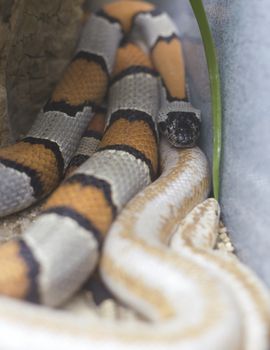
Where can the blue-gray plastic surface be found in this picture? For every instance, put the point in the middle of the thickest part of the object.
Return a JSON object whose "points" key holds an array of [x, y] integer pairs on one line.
{"points": [[241, 32]]}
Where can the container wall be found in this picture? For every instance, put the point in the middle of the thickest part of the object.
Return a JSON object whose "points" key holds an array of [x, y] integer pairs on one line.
{"points": [[241, 32]]}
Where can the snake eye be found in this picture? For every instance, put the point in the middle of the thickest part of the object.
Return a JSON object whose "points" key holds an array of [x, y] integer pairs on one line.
{"points": [[181, 128]]}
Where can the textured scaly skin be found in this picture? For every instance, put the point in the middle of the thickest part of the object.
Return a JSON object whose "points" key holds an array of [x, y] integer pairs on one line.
{"points": [[189, 292], [190, 306], [196, 237], [33, 167], [78, 215], [127, 160]]}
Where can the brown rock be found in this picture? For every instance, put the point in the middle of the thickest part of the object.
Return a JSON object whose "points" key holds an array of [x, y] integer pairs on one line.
{"points": [[37, 39]]}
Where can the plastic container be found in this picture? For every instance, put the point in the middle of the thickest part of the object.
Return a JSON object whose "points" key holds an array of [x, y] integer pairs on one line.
{"points": [[240, 29]]}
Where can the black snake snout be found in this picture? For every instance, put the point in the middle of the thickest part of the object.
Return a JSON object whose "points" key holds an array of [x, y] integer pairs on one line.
{"points": [[181, 128]]}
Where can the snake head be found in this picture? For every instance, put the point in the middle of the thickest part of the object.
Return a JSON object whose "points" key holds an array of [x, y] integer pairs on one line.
{"points": [[181, 128]]}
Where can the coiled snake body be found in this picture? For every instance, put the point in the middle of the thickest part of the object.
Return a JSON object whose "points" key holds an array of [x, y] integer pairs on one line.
{"points": [[196, 298]]}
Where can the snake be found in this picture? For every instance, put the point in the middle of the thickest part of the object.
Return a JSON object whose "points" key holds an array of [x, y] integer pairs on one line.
{"points": [[32, 168], [156, 255], [194, 296]]}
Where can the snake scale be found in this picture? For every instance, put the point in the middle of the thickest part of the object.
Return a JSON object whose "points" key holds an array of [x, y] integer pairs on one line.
{"points": [[156, 255]]}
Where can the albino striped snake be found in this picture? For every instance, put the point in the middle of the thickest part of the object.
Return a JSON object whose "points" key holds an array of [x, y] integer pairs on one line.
{"points": [[196, 298]]}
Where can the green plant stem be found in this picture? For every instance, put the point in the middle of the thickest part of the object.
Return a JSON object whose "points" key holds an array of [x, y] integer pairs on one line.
{"points": [[213, 72]]}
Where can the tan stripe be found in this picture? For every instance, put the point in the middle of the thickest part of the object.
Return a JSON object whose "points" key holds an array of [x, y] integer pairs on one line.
{"points": [[150, 193], [130, 55], [241, 274], [88, 201], [136, 134], [14, 271], [177, 214], [188, 230], [82, 81], [138, 288], [125, 11], [207, 286], [169, 61], [36, 157]]}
